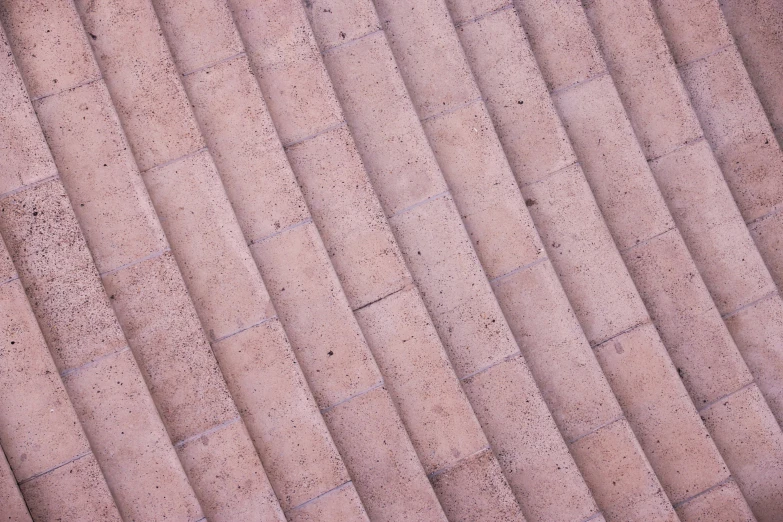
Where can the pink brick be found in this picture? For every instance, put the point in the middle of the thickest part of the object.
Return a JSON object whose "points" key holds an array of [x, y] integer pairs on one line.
{"points": [[335, 22], [323, 332], [142, 79], [220, 274], [724, 502], [766, 234], [226, 456], [662, 416], [10, 496], [339, 505], [693, 31], [272, 396]]}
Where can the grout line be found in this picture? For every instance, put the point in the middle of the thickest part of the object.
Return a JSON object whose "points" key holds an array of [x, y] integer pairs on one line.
{"points": [[687, 143], [453, 109], [342, 123], [405, 286], [550, 174], [246, 328], [136, 262], [593, 516], [717, 51], [500, 9], [634, 327], [306, 502], [501, 277], [29, 186], [492, 365], [218, 62], [716, 486], [210, 431], [422, 202], [283, 230], [602, 426], [748, 305], [94, 362], [203, 519], [349, 42], [775, 210], [58, 466], [453, 465], [84, 83], [564, 88], [175, 160], [645, 241], [357, 394], [724, 397], [9, 280]]}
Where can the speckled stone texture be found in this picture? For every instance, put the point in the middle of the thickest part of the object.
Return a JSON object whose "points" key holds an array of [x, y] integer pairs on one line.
{"points": [[391, 260]]}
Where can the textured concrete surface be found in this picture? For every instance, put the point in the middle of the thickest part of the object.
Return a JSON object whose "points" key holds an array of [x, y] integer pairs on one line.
{"points": [[388, 260]]}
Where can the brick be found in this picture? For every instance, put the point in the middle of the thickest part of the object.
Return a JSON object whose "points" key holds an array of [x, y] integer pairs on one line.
{"points": [[557, 353], [70, 492], [59, 276], [769, 241], [224, 458], [689, 325], [619, 475], [10, 496], [314, 311], [531, 451], [428, 54], [478, 482], [725, 501], [50, 45], [661, 413], [692, 31], [129, 440], [216, 265], [469, 320], [334, 22], [161, 326], [397, 156], [245, 147], [752, 444], [199, 32], [613, 162], [349, 216], [272, 396], [381, 460], [107, 193], [142, 79], [420, 380]]}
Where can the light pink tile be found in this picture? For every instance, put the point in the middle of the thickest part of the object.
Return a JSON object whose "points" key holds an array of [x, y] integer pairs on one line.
{"points": [[157, 316], [142, 79], [381, 460], [216, 264], [199, 32], [661, 413], [10, 496], [59, 276], [340, 505], [622, 481], [557, 352], [272, 396], [70, 492], [98, 170], [50, 45], [397, 156], [428, 54], [530, 449], [244, 144], [693, 29], [484, 189], [323, 332], [584, 255], [349, 216], [130, 441], [725, 502], [768, 238], [453, 286], [335, 22], [475, 490], [752, 444], [226, 474], [421, 380], [698, 342], [25, 157], [464, 10]]}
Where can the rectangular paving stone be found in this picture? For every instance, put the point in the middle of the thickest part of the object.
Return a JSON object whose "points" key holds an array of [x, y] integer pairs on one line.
{"points": [[342, 503], [767, 236], [724, 501], [272, 396], [700, 29], [10, 496], [227, 456]]}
